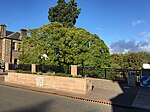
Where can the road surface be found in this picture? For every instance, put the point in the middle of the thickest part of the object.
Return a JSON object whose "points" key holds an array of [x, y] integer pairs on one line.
{"points": [[20, 100]]}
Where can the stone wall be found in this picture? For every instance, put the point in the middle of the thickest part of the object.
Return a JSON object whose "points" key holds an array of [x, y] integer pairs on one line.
{"points": [[6, 41], [74, 85], [0, 49], [6, 50], [15, 55]]}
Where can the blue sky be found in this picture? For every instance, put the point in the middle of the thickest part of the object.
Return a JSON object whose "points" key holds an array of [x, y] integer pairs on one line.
{"points": [[124, 25]]}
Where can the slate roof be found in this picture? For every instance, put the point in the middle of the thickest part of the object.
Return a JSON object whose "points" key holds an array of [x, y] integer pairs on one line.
{"points": [[14, 35], [9, 33]]}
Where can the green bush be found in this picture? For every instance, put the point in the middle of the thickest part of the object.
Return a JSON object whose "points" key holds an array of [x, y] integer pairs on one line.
{"points": [[63, 75], [39, 73], [34, 72], [22, 71], [94, 73], [50, 73], [78, 76]]}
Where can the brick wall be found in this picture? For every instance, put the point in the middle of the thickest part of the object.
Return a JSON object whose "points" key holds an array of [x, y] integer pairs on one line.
{"points": [[74, 85]]}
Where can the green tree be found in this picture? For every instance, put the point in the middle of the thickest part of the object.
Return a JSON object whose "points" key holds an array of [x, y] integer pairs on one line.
{"points": [[64, 46], [117, 60], [64, 13], [131, 60]]}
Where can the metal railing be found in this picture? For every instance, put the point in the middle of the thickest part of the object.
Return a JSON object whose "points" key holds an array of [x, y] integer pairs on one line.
{"points": [[56, 69], [25, 67], [106, 73]]}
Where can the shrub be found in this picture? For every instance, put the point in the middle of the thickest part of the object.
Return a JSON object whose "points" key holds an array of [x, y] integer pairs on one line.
{"points": [[50, 73], [39, 73], [22, 71], [34, 72], [78, 76], [63, 75]]}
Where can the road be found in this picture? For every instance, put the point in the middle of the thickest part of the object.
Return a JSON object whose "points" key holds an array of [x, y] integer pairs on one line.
{"points": [[19, 100]]}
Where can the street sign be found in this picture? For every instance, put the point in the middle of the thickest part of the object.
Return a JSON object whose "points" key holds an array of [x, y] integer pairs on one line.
{"points": [[145, 81]]}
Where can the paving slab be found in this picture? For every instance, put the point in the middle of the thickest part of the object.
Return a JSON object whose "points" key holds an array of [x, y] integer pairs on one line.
{"points": [[142, 99]]}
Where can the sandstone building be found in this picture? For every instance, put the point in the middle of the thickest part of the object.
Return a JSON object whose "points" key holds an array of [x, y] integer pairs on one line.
{"points": [[9, 42]]}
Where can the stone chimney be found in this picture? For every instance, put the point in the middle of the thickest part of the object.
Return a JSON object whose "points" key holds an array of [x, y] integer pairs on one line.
{"points": [[23, 33], [2, 30]]}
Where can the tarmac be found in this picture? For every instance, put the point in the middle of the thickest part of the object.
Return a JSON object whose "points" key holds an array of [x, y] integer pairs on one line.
{"points": [[142, 99], [131, 97]]}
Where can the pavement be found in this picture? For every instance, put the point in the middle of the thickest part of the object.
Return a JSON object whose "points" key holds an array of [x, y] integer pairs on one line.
{"points": [[142, 99], [131, 97], [120, 98]]}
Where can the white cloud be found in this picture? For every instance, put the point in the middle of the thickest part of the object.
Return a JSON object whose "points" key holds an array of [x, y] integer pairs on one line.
{"points": [[145, 48], [144, 34], [134, 23], [123, 46], [99, 28]]}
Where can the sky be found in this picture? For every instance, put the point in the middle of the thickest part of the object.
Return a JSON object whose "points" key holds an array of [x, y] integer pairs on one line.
{"points": [[124, 25]]}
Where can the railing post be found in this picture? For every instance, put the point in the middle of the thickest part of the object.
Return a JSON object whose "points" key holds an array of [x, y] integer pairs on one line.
{"points": [[82, 70], [105, 73]]}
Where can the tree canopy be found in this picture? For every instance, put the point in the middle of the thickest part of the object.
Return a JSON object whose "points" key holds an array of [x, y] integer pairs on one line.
{"points": [[132, 60], [64, 13], [64, 46]]}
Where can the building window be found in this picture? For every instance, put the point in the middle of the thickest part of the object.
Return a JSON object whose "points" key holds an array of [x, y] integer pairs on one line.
{"points": [[15, 61], [13, 46], [19, 46]]}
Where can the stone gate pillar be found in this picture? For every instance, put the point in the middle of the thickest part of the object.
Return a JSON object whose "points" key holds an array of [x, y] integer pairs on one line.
{"points": [[33, 68], [6, 66], [74, 70]]}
